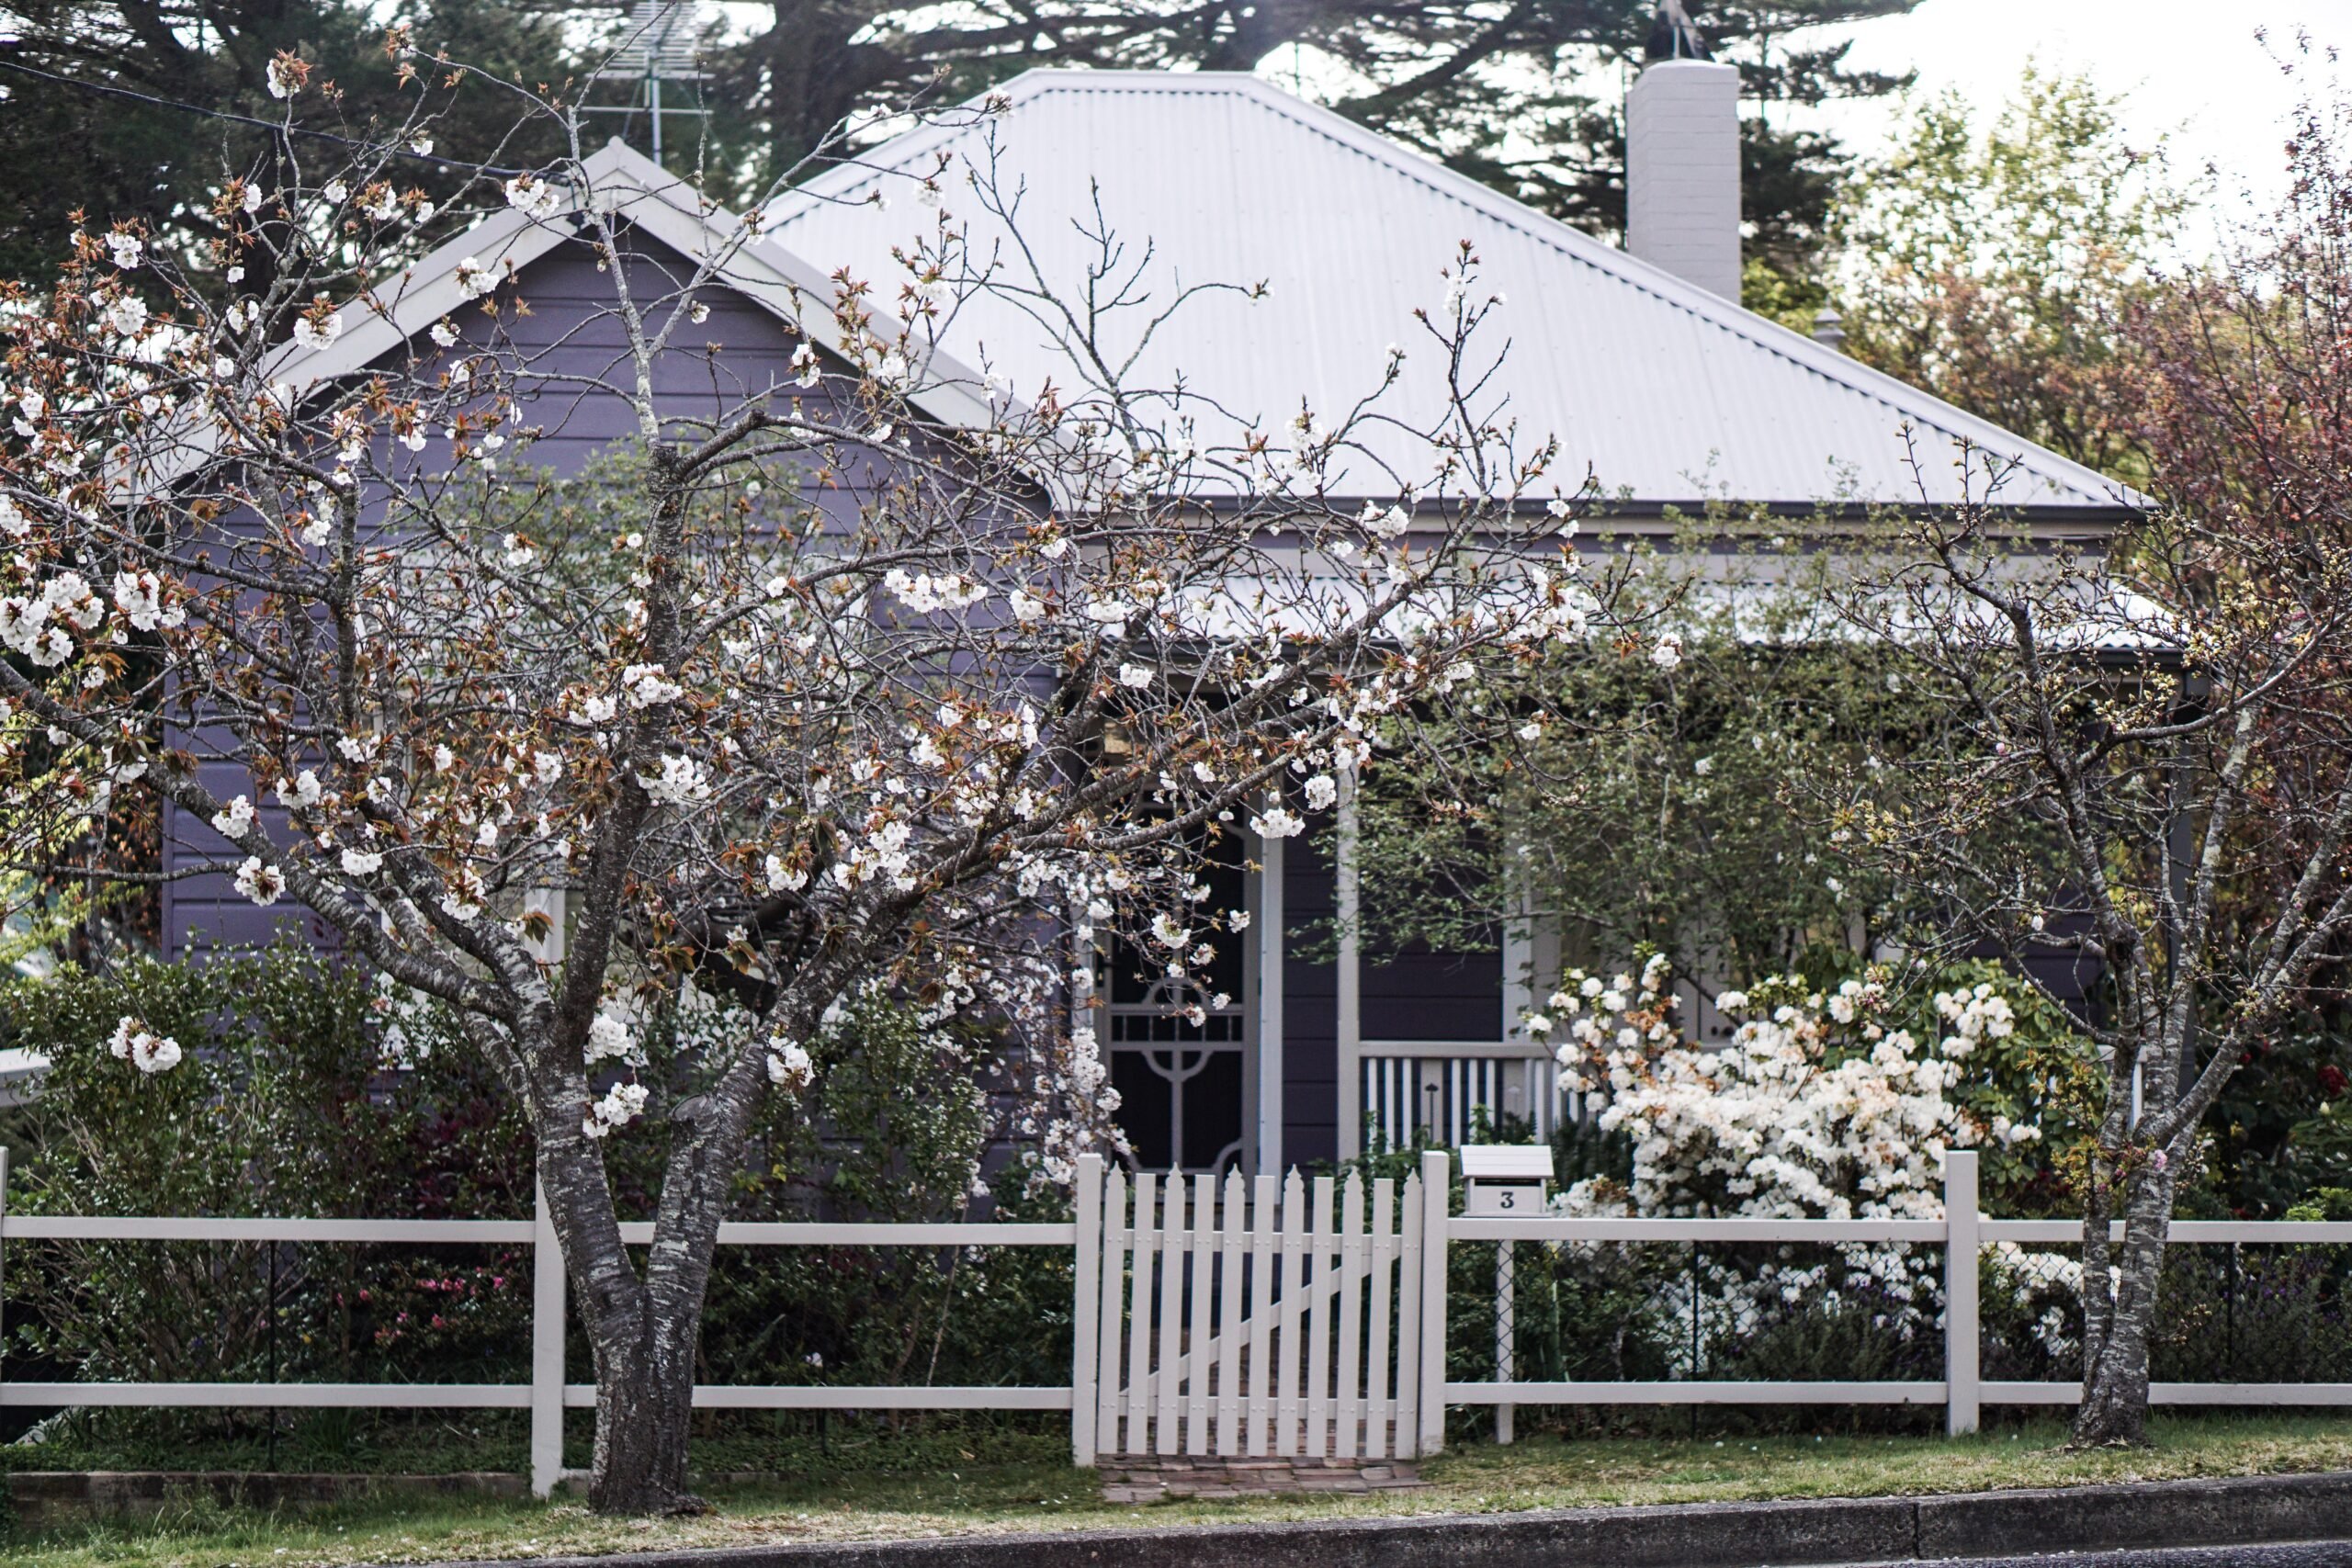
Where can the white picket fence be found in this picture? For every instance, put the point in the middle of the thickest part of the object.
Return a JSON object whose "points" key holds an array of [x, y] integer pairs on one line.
{"points": [[1235, 1318]]}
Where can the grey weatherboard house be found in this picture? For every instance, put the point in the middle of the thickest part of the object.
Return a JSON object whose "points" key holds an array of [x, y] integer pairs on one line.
{"points": [[1674, 395]]}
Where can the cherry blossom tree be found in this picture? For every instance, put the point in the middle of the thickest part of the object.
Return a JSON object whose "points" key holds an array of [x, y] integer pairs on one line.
{"points": [[2145, 775], [808, 692]]}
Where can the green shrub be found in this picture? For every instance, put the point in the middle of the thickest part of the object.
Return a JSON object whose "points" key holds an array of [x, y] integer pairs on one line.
{"points": [[304, 1090]]}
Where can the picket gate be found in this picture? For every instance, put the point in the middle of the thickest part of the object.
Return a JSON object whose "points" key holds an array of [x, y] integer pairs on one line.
{"points": [[1238, 1317]]}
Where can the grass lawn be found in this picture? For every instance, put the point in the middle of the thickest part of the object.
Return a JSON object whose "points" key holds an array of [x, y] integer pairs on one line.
{"points": [[1001, 1490]]}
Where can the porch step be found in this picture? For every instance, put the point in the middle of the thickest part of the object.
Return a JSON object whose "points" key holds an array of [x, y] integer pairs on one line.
{"points": [[1135, 1478]]}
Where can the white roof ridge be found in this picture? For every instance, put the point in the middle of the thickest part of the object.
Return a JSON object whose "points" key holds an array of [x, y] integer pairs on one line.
{"points": [[1910, 403]]}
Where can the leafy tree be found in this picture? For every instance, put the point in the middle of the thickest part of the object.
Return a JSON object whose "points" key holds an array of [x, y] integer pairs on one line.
{"points": [[2174, 713], [1648, 804], [1998, 264], [77, 74], [2247, 371]]}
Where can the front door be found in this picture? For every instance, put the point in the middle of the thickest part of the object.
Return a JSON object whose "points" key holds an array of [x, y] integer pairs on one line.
{"points": [[1184, 1076]]}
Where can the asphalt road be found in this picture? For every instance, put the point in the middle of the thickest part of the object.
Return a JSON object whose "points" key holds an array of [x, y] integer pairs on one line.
{"points": [[2295, 1554]]}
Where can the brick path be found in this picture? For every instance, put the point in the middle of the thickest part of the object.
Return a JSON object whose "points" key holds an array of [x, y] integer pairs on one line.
{"points": [[1150, 1478]]}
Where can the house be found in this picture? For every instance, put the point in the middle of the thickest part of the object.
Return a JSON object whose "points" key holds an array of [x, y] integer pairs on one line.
{"points": [[1640, 360]]}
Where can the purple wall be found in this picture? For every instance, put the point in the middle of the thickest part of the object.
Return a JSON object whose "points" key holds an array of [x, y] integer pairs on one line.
{"points": [[739, 351]]}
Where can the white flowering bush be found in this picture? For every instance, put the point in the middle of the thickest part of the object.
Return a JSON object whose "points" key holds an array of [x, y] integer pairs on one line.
{"points": [[1832, 1101]]}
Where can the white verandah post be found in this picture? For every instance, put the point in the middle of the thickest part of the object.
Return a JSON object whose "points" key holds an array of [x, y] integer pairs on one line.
{"points": [[1437, 1191], [1270, 954], [1350, 977]]}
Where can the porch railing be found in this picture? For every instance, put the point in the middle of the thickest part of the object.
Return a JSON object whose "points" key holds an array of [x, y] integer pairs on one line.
{"points": [[1410, 1088]]}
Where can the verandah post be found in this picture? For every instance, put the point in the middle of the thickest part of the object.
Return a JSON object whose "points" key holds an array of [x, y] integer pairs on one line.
{"points": [[546, 1350], [1963, 1337], [1085, 1372]]}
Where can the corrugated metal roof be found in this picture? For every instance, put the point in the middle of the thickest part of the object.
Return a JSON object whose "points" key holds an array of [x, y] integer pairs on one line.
{"points": [[1671, 395]]}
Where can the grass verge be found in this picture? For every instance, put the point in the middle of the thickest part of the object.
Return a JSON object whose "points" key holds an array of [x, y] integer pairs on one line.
{"points": [[992, 1492]]}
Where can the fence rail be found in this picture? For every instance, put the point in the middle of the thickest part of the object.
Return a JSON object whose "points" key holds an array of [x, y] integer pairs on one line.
{"points": [[1230, 1316], [546, 1395]]}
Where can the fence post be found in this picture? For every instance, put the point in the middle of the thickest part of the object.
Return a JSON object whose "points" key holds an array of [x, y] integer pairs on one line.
{"points": [[1506, 1337], [1963, 1336], [1086, 1306], [546, 1350], [1437, 1193]]}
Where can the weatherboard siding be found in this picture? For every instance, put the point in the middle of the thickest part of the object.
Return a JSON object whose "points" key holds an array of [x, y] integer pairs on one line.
{"points": [[567, 332]]}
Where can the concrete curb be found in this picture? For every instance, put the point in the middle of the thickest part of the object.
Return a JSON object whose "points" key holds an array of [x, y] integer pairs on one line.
{"points": [[2250, 1511]]}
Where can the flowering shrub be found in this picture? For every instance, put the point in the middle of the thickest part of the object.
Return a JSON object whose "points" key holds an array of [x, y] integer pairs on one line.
{"points": [[1817, 1109], [1831, 1101]]}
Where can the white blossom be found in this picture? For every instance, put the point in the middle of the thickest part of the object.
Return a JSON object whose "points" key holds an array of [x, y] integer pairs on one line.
{"points": [[136, 1042], [1277, 822], [534, 197], [790, 1067], [231, 820], [261, 883], [681, 782], [607, 1036], [622, 1104], [649, 686], [139, 596]]}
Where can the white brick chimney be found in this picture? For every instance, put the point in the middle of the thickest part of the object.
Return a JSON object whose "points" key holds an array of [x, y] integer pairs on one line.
{"points": [[1682, 172]]}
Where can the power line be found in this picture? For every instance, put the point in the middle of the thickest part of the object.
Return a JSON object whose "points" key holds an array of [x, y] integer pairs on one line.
{"points": [[102, 90]]}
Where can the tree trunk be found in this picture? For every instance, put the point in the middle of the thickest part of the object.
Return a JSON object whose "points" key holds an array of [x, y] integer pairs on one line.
{"points": [[646, 1326], [644, 1408], [2119, 1310]]}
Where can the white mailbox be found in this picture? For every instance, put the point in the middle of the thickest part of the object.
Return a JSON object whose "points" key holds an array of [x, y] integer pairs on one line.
{"points": [[1503, 1179]]}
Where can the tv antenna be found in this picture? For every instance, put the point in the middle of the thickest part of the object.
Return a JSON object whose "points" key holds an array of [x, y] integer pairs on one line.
{"points": [[662, 43]]}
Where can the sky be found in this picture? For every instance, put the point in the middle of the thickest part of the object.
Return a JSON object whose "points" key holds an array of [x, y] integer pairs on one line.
{"points": [[2192, 68]]}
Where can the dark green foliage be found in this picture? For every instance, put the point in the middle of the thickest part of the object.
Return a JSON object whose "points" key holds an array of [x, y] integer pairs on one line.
{"points": [[899, 1130], [1523, 99], [280, 1106], [2279, 1129], [130, 159], [284, 1105], [1672, 807]]}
